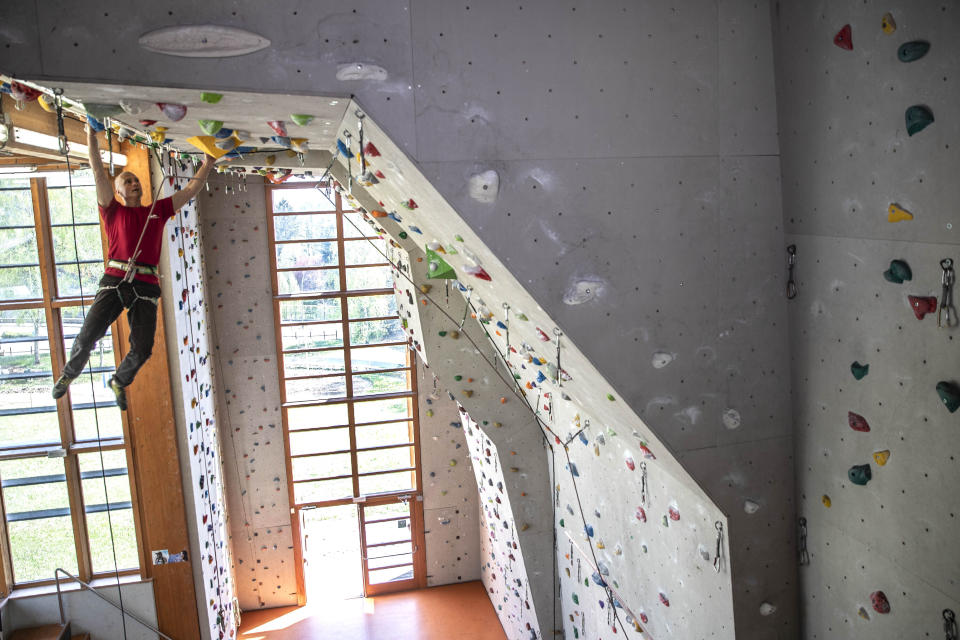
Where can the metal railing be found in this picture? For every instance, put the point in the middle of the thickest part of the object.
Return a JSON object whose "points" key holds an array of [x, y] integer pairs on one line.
{"points": [[90, 588]]}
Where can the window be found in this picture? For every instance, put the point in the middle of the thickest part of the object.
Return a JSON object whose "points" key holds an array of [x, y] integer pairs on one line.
{"points": [[346, 372], [59, 498]]}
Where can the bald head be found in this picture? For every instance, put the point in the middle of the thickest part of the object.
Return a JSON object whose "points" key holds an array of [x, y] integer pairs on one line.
{"points": [[128, 189]]}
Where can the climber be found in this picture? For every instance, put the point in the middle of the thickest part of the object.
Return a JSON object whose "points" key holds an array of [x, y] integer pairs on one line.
{"points": [[134, 235]]}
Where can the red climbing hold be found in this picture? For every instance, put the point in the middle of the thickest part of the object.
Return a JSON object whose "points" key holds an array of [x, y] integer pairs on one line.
{"points": [[148, 123], [646, 452], [371, 150], [644, 618], [857, 422], [880, 602], [542, 335], [674, 513], [379, 174], [922, 305], [630, 464], [844, 38], [641, 514], [664, 599]]}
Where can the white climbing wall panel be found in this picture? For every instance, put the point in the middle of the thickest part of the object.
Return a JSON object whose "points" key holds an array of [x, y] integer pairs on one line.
{"points": [[846, 157]]}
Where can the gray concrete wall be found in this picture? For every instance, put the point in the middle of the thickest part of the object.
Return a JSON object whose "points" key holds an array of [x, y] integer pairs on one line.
{"points": [[846, 157]]}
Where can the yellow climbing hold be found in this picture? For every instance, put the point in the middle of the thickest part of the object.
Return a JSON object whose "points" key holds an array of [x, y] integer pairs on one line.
{"points": [[826, 501], [46, 103], [600, 544], [425, 288], [524, 527], [888, 24], [453, 463], [468, 393], [454, 334], [896, 213], [881, 457], [270, 159], [207, 144]]}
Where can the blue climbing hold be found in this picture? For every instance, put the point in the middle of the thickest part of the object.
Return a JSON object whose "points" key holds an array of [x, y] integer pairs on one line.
{"points": [[223, 132], [95, 124], [573, 470], [342, 148], [416, 230], [598, 579], [393, 216], [583, 438], [588, 529], [500, 325], [540, 377]]}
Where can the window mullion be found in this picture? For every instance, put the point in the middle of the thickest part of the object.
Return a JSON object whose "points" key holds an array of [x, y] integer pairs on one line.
{"points": [[347, 364]]}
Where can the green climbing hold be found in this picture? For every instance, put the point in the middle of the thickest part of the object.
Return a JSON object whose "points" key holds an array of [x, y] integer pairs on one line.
{"points": [[918, 118], [576, 600], [458, 378], [458, 238], [561, 523], [441, 333], [859, 474], [438, 268], [910, 51], [950, 394], [210, 127], [403, 235], [522, 316], [898, 273], [301, 119], [859, 370], [210, 97], [610, 397]]}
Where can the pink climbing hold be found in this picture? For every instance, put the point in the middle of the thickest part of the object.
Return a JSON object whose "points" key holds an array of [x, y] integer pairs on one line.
{"points": [[674, 513], [664, 599], [857, 422], [630, 464], [278, 127], [880, 602], [641, 514], [174, 112], [922, 305], [844, 38], [644, 618]]}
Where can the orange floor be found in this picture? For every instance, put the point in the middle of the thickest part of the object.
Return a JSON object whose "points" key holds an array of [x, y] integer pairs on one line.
{"points": [[461, 611]]}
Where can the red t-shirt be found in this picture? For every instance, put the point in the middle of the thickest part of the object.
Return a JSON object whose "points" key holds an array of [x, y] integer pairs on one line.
{"points": [[124, 225]]}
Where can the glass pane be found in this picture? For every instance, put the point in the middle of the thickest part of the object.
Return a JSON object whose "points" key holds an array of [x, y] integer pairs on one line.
{"points": [[365, 252], [400, 481], [374, 358], [306, 199], [318, 226], [311, 336], [20, 283], [376, 331], [359, 307], [395, 574], [124, 537], [105, 417], [381, 410], [384, 459], [19, 248], [380, 435], [16, 207], [327, 415], [38, 517], [65, 247], [354, 226], [316, 467], [121, 513], [361, 278], [403, 559], [307, 254], [307, 442], [316, 281], [313, 363], [27, 412], [118, 482], [387, 531], [322, 490], [309, 310], [69, 283], [388, 551], [84, 198], [368, 384], [94, 405], [316, 389]]}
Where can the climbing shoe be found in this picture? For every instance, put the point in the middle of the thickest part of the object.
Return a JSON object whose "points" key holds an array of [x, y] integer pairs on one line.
{"points": [[119, 394], [61, 385]]}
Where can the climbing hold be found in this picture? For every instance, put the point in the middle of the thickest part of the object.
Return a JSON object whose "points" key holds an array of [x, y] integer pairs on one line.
{"points": [[910, 51], [857, 422], [210, 127], [825, 499], [342, 148], [134, 107], [425, 288], [207, 144], [224, 132], [210, 97], [576, 600], [46, 103], [477, 271], [641, 514], [542, 335], [881, 457], [859, 370], [896, 213], [950, 395], [573, 470], [918, 117], [377, 213], [751, 507], [437, 267], [300, 145], [22, 93], [731, 419], [410, 205], [370, 150], [860, 474], [922, 305], [148, 123], [468, 393], [301, 119], [879, 601], [403, 235], [278, 127], [483, 187], [646, 451], [662, 359], [888, 24], [664, 599], [610, 397], [101, 111], [270, 159], [674, 513], [173, 112], [97, 126], [898, 273], [629, 462], [844, 38], [767, 609], [588, 529]]}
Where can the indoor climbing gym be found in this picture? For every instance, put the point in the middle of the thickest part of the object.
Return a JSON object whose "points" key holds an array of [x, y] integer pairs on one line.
{"points": [[494, 320]]}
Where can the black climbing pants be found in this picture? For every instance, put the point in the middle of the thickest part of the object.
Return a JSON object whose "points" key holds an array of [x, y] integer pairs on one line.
{"points": [[140, 299]]}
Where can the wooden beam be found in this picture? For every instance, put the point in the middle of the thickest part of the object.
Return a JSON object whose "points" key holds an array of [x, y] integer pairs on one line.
{"points": [[34, 118]]}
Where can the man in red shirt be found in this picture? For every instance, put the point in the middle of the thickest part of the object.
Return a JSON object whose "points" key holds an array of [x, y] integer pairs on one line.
{"points": [[132, 231]]}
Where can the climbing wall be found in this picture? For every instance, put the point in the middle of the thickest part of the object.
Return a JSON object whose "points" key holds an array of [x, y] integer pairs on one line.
{"points": [[193, 370], [238, 278], [865, 364]]}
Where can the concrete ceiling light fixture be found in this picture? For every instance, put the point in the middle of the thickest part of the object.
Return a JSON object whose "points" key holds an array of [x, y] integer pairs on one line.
{"points": [[202, 41]]}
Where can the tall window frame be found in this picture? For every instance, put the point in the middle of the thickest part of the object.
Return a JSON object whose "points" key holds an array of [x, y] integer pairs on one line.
{"points": [[85, 427]]}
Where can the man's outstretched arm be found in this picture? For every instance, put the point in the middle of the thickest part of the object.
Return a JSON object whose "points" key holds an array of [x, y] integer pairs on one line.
{"points": [[100, 176], [193, 187]]}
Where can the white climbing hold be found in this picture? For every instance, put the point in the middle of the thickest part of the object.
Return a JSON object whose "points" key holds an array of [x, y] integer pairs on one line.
{"points": [[361, 71], [704, 553], [731, 419], [135, 107], [662, 359], [484, 186], [750, 506], [584, 290], [767, 609]]}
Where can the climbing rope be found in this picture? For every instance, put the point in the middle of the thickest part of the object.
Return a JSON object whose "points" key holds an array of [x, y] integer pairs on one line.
{"points": [[64, 149]]}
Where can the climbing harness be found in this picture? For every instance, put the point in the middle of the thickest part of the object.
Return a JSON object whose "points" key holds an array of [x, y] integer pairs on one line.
{"points": [[947, 314], [791, 262], [802, 543], [717, 558], [950, 625]]}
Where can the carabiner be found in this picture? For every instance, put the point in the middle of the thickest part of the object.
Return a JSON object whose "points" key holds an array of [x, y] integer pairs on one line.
{"points": [[947, 314], [791, 261]]}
